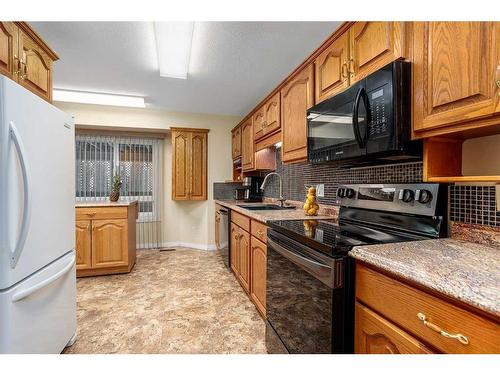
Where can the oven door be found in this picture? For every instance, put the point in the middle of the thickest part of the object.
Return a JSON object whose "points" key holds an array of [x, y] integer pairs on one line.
{"points": [[337, 127], [305, 299]]}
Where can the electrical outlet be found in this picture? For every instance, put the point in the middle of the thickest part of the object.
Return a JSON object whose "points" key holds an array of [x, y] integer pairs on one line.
{"points": [[320, 190]]}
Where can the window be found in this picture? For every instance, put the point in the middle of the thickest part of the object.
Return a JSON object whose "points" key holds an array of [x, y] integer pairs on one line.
{"points": [[137, 160]]}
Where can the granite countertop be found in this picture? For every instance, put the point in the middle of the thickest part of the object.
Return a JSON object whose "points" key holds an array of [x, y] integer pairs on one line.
{"points": [[267, 215], [120, 203], [465, 271]]}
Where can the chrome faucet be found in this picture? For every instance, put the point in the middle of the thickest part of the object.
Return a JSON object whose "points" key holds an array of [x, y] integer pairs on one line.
{"points": [[280, 199]]}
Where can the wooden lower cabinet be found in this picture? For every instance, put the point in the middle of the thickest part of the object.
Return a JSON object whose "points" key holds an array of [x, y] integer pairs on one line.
{"points": [[109, 243], [392, 317], [105, 245], [258, 256], [249, 258], [83, 240], [375, 335]]}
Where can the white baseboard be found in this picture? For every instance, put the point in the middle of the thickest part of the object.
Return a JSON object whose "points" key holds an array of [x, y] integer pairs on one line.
{"points": [[197, 246]]}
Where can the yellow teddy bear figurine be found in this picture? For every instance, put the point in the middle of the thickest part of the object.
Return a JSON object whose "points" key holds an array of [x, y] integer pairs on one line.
{"points": [[311, 206]]}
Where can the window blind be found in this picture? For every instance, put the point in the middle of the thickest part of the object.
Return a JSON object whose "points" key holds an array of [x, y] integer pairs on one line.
{"points": [[139, 163]]}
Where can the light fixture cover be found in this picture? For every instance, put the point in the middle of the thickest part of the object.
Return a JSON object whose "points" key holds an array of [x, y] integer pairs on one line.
{"points": [[97, 98], [173, 45]]}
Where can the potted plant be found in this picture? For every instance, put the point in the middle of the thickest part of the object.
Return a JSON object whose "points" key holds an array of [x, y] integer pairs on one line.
{"points": [[115, 188]]}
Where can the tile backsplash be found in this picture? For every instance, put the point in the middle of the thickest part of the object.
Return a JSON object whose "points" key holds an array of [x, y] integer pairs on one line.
{"points": [[468, 204], [297, 176]]}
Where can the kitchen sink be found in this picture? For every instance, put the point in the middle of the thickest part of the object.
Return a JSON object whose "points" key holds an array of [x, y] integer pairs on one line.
{"points": [[261, 207]]}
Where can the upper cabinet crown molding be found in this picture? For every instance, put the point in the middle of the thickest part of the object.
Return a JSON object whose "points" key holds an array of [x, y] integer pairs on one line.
{"points": [[26, 58], [189, 163]]}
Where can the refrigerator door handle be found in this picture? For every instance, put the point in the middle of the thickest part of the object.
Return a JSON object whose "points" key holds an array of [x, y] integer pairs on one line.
{"points": [[29, 291], [23, 234]]}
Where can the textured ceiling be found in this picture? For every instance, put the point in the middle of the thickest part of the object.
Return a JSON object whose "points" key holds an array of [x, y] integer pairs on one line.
{"points": [[233, 64]]}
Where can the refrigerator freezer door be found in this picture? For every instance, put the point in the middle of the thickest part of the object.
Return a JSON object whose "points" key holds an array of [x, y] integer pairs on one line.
{"points": [[37, 182], [39, 313]]}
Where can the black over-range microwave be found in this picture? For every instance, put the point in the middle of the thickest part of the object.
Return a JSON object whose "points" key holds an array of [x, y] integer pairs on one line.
{"points": [[368, 123]]}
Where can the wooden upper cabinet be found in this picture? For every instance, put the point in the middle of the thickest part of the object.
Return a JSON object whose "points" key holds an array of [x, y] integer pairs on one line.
{"points": [[8, 49], [198, 167], [36, 68], [374, 45], [189, 164], [26, 59], [236, 142], [180, 165], [83, 244], [296, 97], [455, 66], [331, 69], [247, 152], [258, 121], [272, 119]]}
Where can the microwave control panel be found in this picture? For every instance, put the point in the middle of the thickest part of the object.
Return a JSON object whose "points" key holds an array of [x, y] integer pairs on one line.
{"points": [[379, 112]]}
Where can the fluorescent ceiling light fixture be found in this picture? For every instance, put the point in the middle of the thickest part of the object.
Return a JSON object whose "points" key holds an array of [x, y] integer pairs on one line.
{"points": [[98, 98], [173, 45]]}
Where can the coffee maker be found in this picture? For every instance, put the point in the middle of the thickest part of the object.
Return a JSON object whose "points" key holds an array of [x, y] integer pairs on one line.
{"points": [[252, 189]]}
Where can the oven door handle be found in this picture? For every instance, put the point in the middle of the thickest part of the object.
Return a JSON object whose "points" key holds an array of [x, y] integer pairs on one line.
{"points": [[319, 270]]}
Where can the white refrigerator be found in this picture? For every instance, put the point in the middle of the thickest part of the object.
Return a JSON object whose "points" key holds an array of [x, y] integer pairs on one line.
{"points": [[37, 221]]}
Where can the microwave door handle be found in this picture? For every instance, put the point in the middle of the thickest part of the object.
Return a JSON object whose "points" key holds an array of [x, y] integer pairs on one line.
{"points": [[355, 123]]}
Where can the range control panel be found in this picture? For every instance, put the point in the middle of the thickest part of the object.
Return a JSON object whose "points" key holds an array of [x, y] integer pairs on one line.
{"points": [[418, 199]]}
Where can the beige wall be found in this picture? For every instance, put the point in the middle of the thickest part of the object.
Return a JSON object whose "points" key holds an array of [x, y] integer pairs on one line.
{"points": [[184, 222]]}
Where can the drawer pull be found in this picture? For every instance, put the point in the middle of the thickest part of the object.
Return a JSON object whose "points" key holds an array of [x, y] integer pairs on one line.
{"points": [[463, 339], [91, 213], [260, 233]]}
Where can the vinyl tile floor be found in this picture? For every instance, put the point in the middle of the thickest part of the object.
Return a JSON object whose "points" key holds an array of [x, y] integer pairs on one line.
{"points": [[183, 301]]}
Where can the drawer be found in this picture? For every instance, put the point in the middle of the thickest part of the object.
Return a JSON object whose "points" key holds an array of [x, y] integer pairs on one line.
{"points": [[403, 304], [259, 230], [86, 213], [240, 220], [375, 335]]}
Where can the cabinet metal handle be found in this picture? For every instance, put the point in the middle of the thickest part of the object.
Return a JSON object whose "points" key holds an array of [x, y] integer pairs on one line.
{"points": [[497, 79], [260, 233], [351, 67], [458, 336], [91, 213], [344, 70], [18, 65], [24, 72]]}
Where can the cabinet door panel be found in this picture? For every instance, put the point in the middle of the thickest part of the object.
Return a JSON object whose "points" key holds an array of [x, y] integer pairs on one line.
{"points": [[83, 244], [296, 97], [236, 143], [373, 45], [258, 123], [109, 243], [180, 165], [198, 168], [244, 251], [247, 153], [454, 70], [8, 48], [36, 75], [272, 120], [258, 274], [331, 66], [375, 335], [235, 254]]}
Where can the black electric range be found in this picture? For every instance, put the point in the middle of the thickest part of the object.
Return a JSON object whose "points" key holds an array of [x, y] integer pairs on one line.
{"points": [[310, 278]]}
